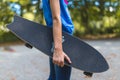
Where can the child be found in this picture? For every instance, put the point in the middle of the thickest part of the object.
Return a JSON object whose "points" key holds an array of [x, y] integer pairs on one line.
{"points": [[57, 16]]}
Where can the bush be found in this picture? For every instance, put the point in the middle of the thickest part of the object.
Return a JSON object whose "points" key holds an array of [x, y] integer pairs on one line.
{"points": [[7, 37]]}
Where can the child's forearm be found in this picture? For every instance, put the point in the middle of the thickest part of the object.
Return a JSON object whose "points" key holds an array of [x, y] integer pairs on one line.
{"points": [[57, 27], [57, 34]]}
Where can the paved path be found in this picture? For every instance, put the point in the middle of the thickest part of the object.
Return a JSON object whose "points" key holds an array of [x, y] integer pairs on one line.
{"points": [[26, 64]]}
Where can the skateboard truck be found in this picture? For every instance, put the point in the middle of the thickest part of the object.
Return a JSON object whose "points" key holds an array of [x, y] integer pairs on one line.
{"points": [[88, 74], [28, 45]]}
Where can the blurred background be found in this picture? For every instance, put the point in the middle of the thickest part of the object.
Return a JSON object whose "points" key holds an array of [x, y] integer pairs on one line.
{"points": [[96, 21], [92, 19]]}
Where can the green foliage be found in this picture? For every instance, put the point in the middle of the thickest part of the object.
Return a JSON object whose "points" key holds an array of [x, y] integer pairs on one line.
{"points": [[6, 13], [92, 19], [27, 10], [88, 18], [7, 37]]}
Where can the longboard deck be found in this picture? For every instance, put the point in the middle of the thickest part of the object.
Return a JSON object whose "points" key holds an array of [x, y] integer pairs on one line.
{"points": [[82, 55]]}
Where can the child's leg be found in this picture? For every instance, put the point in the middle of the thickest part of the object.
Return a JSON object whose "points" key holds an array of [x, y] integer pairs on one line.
{"points": [[63, 73], [52, 70]]}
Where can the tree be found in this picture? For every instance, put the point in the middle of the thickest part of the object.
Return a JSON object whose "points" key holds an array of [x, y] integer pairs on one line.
{"points": [[93, 13]]}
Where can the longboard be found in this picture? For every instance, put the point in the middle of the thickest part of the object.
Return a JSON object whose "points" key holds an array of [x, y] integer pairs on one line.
{"points": [[82, 55]]}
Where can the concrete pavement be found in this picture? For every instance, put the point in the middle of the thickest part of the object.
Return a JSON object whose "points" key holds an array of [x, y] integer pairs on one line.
{"points": [[22, 63]]}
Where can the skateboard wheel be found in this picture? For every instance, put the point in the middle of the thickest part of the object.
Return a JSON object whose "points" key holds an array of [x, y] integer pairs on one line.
{"points": [[88, 74], [28, 45]]}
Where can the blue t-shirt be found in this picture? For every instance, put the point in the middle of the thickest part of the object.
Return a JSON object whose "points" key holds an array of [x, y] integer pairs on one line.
{"points": [[66, 21]]}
